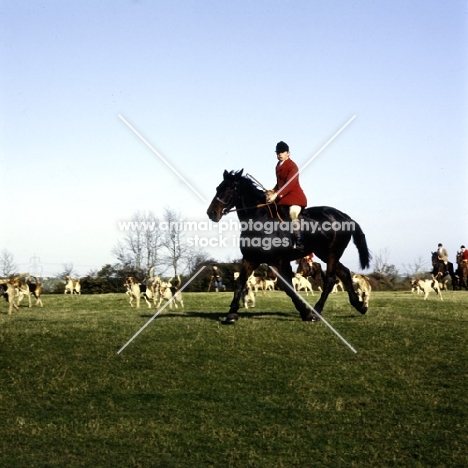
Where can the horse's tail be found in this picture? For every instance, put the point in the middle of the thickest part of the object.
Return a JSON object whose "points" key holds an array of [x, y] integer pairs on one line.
{"points": [[360, 242]]}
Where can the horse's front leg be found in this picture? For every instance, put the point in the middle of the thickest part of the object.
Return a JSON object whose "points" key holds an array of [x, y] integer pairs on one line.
{"points": [[247, 267]]}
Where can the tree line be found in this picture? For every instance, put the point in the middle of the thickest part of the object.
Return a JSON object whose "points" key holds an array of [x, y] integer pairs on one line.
{"points": [[140, 253]]}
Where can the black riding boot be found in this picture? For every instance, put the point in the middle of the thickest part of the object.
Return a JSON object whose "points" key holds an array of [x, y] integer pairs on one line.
{"points": [[298, 241]]}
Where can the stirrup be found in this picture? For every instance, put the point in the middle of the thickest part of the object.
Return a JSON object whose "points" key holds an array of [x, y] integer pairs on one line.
{"points": [[298, 241], [298, 247]]}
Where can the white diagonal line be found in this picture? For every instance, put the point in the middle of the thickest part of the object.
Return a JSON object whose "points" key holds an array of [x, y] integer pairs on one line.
{"points": [[159, 311], [160, 157], [314, 311], [316, 154]]}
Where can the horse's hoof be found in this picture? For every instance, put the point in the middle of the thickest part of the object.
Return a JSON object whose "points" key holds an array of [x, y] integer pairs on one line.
{"points": [[230, 319], [311, 318]]}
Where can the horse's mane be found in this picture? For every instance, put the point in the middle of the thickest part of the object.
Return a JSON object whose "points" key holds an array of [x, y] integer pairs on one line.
{"points": [[255, 190], [250, 194]]}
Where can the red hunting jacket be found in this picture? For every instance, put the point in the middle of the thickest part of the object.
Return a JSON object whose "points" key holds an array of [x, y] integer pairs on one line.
{"points": [[292, 194]]}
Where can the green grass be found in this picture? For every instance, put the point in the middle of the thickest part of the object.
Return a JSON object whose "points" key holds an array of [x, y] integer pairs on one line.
{"points": [[270, 391]]}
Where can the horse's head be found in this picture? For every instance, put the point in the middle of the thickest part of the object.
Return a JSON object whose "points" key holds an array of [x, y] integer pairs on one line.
{"points": [[227, 195], [435, 258]]}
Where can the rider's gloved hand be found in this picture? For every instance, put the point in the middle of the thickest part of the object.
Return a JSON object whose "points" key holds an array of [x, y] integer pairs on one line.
{"points": [[271, 196]]}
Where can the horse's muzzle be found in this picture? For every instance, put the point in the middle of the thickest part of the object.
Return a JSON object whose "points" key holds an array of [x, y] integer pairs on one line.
{"points": [[214, 213]]}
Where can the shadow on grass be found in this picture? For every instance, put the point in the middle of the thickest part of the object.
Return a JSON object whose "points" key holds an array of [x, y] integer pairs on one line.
{"points": [[217, 316], [350, 316]]}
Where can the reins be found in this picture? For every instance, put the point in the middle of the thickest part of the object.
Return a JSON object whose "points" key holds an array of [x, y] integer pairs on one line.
{"points": [[260, 205]]}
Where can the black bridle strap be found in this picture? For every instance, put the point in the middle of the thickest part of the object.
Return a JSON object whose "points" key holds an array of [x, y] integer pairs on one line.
{"points": [[245, 208], [250, 207], [260, 205]]}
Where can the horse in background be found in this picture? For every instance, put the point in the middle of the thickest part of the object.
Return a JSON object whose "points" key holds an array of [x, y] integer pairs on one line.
{"points": [[440, 269], [313, 271], [462, 271]]}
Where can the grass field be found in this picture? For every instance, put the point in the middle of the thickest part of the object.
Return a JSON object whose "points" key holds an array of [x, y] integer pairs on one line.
{"points": [[270, 391]]}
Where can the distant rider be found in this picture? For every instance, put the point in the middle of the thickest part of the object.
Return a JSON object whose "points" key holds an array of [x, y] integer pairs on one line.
{"points": [[464, 253], [442, 254]]}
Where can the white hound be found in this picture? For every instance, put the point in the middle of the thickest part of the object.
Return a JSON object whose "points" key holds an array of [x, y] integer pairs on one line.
{"points": [[256, 283], [299, 282], [9, 292], [72, 286], [338, 285], [167, 291], [427, 286], [362, 287], [135, 290], [248, 296]]}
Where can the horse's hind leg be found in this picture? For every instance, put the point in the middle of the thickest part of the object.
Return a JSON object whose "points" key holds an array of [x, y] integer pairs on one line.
{"points": [[345, 276], [285, 281], [451, 272], [329, 280], [463, 278]]}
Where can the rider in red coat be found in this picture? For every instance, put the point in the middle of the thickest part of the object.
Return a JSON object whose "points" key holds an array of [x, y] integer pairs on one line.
{"points": [[464, 252], [287, 190], [287, 186]]}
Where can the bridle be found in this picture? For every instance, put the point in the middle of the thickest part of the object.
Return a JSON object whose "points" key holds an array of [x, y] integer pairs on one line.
{"points": [[260, 205], [225, 203]]}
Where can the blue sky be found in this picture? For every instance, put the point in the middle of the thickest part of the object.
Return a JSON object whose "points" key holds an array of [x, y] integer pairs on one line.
{"points": [[214, 85]]}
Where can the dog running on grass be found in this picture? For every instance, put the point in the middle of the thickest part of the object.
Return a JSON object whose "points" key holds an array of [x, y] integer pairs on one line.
{"points": [[248, 296], [136, 290], [426, 286], [167, 291], [8, 291]]}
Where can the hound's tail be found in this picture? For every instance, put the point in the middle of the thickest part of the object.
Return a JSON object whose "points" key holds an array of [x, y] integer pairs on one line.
{"points": [[360, 242]]}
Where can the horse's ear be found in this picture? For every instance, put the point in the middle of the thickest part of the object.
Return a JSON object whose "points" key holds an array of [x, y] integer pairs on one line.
{"points": [[239, 174], [225, 174]]}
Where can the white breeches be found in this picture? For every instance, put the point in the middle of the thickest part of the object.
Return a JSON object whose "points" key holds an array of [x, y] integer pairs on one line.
{"points": [[294, 211]]}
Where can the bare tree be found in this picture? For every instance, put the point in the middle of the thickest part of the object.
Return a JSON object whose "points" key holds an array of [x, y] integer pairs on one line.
{"points": [[417, 269], [7, 264], [140, 248], [67, 270], [152, 239], [150, 243], [383, 267], [177, 251], [194, 261]]}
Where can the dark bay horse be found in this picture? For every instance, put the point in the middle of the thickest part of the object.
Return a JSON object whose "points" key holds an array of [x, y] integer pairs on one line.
{"points": [[462, 271], [313, 271], [266, 238], [441, 269]]}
